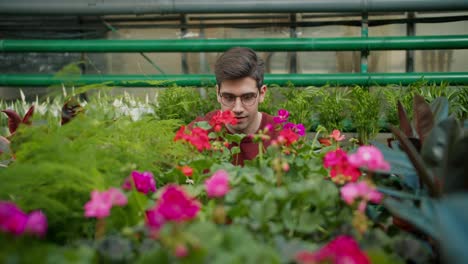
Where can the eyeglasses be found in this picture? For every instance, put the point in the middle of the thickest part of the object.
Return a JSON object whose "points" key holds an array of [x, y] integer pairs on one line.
{"points": [[247, 99]]}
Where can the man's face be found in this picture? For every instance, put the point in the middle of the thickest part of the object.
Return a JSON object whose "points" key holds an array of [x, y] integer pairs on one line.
{"points": [[242, 97]]}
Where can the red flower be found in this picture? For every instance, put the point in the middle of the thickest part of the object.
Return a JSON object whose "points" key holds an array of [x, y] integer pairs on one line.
{"points": [[198, 137], [341, 170], [287, 137], [222, 118], [187, 171]]}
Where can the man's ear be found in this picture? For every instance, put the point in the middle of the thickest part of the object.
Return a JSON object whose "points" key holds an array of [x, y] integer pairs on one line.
{"points": [[263, 91]]}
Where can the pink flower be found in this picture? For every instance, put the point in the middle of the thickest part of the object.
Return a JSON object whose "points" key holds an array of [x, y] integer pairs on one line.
{"points": [[101, 202], [144, 182], [12, 219], [336, 135], [361, 190], [36, 224], [173, 205], [282, 116], [181, 251], [334, 158], [341, 250], [218, 184], [369, 157]]}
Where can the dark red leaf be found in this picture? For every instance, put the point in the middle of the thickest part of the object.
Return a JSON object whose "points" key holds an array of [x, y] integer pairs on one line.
{"points": [[13, 120], [423, 117], [70, 109], [28, 115], [405, 124]]}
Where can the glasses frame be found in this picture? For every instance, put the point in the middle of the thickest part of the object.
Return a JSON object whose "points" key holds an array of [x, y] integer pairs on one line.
{"points": [[238, 96]]}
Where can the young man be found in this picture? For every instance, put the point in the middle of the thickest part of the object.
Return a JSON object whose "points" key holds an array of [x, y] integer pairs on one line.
{"points": [[240, 89]]}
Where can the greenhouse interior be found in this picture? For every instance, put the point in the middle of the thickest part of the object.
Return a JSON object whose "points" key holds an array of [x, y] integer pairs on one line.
{"points": [[213, 131]]}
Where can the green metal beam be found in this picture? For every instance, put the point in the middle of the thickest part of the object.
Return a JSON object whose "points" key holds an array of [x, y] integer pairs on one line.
{"points": [[219, 45], [299, 80]]}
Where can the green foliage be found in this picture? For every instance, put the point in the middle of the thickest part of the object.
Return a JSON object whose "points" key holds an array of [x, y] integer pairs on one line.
{"points": [[183, 103], [59, 166], [365, 111], [331, 106]]}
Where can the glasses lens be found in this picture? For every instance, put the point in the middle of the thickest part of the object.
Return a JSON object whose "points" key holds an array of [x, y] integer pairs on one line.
{"points": [[249, 99], [228, 99]]}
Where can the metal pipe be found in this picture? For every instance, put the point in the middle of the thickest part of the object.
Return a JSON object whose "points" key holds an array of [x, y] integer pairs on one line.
{"points": [[299, 80], [219, 45], [364, 35], [114, 7], [410, 31]]}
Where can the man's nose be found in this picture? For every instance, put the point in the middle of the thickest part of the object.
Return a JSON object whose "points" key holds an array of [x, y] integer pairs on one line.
{"points": [[238, 107]]}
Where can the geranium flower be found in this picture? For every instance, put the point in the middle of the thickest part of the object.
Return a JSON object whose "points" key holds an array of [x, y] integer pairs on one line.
{"points": [[144, 182], [341, 250], [187, 170], [336, 135], [369, 157], [282, 116], [361, 190], [218, 184], [101, 202], [36, 224], [341, 170], [222, 118], [173, 205], [12, 219], [287, 137], [197, 137]]}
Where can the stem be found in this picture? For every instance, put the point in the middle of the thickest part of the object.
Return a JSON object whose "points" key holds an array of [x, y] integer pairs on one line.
{"points": [[100, 228]]}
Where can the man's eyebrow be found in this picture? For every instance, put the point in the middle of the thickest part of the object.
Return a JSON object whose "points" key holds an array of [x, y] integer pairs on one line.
{"points": [[230, 94]]}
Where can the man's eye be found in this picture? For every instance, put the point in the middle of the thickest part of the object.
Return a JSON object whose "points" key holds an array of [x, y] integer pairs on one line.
{"points": [[229, 97], [248, 96]]}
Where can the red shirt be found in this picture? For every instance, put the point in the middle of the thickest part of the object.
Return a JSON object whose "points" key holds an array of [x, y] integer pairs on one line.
{"points": [[248, 148]]}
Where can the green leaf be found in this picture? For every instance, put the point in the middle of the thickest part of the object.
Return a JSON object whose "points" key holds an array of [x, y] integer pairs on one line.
{"points": [[235, 150], [237, 138], [440, 109], [413, 215], [451, 218], [203, 124]]}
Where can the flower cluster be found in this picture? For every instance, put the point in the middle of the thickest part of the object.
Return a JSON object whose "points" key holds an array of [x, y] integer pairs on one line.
{"points": [[343, 249], [144, 182], [14, 221], [360, 190], [101, 202], [341, 170], [198, 137], [290, 132], [218, 184], [173, 205], [369, 157], [222, 118]]}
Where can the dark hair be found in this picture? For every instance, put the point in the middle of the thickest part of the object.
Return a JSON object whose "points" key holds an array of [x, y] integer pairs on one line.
{"points": [[238, 63]]}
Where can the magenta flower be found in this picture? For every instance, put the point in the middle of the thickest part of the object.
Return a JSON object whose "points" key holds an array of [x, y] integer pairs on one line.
{"points": [[218, 184], [361, 190], [369, 157], [173, 205], [12, 219], [282, 116], [144, 182], [36, 224], [341, 250], [101, 202]]}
